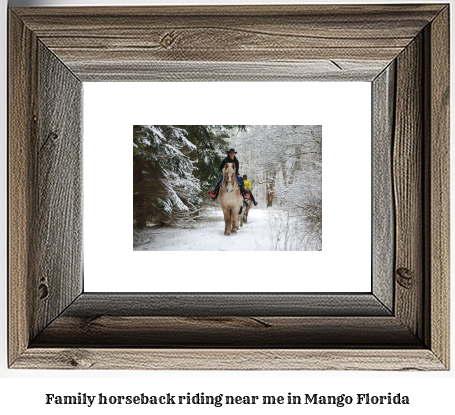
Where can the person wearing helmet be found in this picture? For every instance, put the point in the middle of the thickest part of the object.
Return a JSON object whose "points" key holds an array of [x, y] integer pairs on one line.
{"points": [[231, 158], [247, 184]]}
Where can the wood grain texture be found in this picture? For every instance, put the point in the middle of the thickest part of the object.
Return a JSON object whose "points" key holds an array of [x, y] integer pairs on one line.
{"points": [[213, 305], [256, 332], [438, 193], [229, 359], [383, 215], [44, 187], [57, 218], [308, 71], [227, 34], [407, 174], [22, 95], [53, 49]]}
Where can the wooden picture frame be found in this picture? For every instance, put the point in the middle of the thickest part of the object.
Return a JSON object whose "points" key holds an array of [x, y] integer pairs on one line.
{"points": [[403, 324]]}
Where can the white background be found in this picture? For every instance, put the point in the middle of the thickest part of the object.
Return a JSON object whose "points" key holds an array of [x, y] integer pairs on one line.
{"points": [[344, 111], [23, 391]]}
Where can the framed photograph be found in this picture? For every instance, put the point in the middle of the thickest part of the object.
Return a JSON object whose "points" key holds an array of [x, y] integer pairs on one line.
{"points": [[400, 323]]}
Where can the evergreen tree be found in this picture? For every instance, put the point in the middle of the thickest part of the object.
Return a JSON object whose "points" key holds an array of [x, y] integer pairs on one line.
{"points": [[174, 166]]}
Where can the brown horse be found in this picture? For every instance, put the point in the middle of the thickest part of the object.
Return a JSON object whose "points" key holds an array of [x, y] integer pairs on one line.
{"points": [[246, 208], [230, 198]]}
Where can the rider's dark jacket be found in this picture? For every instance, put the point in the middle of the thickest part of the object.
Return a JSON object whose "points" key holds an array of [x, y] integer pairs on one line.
{"points": [[228, 160]]}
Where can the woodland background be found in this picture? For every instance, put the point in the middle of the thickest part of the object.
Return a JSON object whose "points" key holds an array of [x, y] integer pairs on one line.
{"points": [[175, 167]]}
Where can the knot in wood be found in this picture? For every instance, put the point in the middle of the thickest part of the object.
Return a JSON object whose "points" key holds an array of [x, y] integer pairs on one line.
{"points": [[53, 137], [405, 278], [168, 40], [43, 291], [76, 359]]}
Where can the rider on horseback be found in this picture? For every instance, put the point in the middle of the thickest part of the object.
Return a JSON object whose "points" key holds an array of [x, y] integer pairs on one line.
{"points": [[229, 159], [247, 184]]}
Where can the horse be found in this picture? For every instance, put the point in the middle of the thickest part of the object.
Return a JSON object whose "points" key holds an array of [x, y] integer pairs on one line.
{"points": [[245, 209], [230, 198]]}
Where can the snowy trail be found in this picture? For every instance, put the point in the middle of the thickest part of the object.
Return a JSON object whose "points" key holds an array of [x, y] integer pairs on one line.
{"points": [[209, 236]]}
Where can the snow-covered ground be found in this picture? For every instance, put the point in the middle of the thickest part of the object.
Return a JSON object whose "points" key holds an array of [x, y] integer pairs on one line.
{"points": [[266, 230], [209, 235]]}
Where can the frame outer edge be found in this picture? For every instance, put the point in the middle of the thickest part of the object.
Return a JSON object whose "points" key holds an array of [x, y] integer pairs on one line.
{"points": [[22, 95], [228, 359], [439, 212]]}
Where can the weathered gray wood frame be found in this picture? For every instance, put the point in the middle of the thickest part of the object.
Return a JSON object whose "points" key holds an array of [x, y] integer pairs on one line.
{"points": [[403, 50]]}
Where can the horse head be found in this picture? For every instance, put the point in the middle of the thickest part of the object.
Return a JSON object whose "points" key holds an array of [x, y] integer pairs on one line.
{"points": [[229, 180]]}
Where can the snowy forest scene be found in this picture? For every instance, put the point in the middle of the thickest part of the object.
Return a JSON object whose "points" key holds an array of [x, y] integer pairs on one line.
{"points": [[227, 188]]}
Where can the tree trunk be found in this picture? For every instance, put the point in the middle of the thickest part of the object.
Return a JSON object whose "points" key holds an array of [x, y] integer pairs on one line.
{"points": [[270, 191], [139, 206]]}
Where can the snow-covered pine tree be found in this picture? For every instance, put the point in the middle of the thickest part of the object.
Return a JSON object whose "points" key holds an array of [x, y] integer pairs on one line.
{"points": [[174, 166], [165, 189], [209, 141]]}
